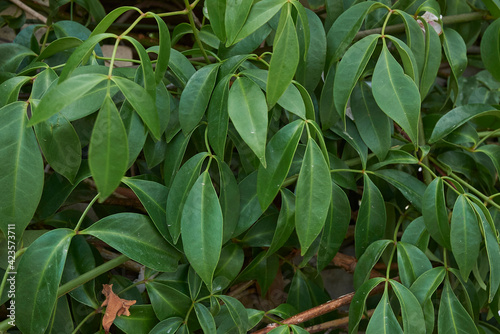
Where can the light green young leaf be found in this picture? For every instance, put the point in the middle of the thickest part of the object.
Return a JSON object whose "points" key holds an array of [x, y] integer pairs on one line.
{"points": [[202, 228], [396, 94], [313, 196], [136, 236], [22, 169], [37, 281], [108, 150], [248, 111]]}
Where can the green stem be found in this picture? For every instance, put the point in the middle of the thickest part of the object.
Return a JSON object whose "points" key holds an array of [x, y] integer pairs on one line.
{"points": [[45, 37], [489, 134], [424, 159], [133, 24], [382, 32], [112, 62], [77, 328], [486, 136], [82, 279], [7, 271], [195, 30], [116, 59], [84, 214]]}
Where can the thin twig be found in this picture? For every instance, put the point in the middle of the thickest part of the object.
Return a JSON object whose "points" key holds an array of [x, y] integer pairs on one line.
{"points": [[29, 10], [337, 323]]}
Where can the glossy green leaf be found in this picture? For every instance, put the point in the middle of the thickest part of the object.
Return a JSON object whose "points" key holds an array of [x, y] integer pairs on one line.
{"points": [[135, 235], [13, 55], [336, 225], [279, 155], [493, 251], [250, 209], [205, 318], [412, 263], [202, 228], [175, 150], [407, 58], [22, 169], [59, 45], [108, 150], [413, 317], [260, 13], [415, 40], [350, 69], [357, 307], [248, 112], [60, 145], [181, 68], [39, 273], [61, 322], [455, 51], [194, 283], [412, 188], [167, 301], [230, 262], [416, 234], [351, 135], [229, 199], [286, 221], [218, 116], [427, 283], [169, 325], [283, 329], [80, 260], [373, 125], [141, 320], [153, 197], [142, 102], [366, 262], [452, 317], [490, 47], [432, 60], [61, 96], [370, 225], [195, 97], [345, 28], [179, 191], [146, 69], [164, 48], [237, 312], [234, 18], [285, 58], [216, 11], [493, 152], [9, 90], [111, 17], [313, 196], [327, 112], [396, 94], [435, 213], [383, 319], [302, 26], [394, 157], [465, 236]]}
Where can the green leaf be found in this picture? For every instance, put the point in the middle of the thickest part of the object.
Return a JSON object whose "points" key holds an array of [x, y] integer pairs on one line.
{"points": [[327, 112], [205, 318], [9, 90], [260, 13], [250, 209], [108, 150], [413, 317], [373, 125], [286, 221], [432, 60], [283, 329], [80, 260], [302, 25], [141, 320], [412, 263], [490, 47], [248, 112], [465, 236], [351, 135], [407, 58], [229, 199], [435, 213], [12, 56], [60, 145], [181, 68], [218, 116], [216, 11], [394, 157], [412, 188], [357, 307], [396, 94], [202, 228], [455, 51], [452, 317], [313, 196], [179, 191], [135, 236], [145, 71], [60, 96], [169, 325], [153, 197], [279, 155], [237, 312], [336, 225], [350, 69], [234, 18], [59, 45], [285, 58], [493, 152], [493, 251], [176, 149], [39, 273], [164, 48], [494, 8], [167, 301], [427, 283], [457, 117], [142, 102], [230, 262], [111, 17], [370, 225], [195, 97], [383, 319], [366, 262], [194, 284], [22, 169]]}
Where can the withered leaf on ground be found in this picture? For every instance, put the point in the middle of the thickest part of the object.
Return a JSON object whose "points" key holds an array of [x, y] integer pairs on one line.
{"points": [[115, 306]]}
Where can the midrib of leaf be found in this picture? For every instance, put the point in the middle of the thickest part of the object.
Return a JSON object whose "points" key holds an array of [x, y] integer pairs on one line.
{"points": [[369, 113], [389, 75], [247, 102], [127, 237], [451, 314]]}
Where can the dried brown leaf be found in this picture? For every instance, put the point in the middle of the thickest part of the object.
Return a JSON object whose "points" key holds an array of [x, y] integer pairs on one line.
{"points": [[115, 306]]}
